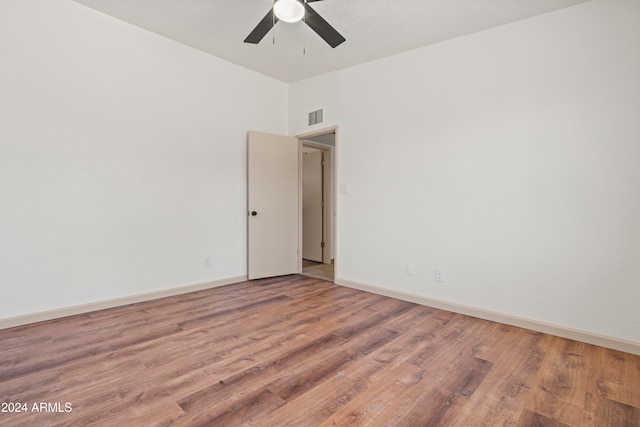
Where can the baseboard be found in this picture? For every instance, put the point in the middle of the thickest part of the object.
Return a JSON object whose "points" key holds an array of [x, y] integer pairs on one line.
{"points": [[42, 316], [547, 328]]}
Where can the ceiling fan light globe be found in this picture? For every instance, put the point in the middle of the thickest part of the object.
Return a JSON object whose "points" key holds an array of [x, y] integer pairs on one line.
{"points": [[289, 10]]}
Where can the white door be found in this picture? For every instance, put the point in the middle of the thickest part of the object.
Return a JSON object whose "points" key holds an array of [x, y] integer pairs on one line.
{"points": [[273, 205], [312, 206]]}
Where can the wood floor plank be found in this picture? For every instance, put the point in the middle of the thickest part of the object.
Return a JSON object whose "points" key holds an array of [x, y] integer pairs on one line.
{"points": [[299, 351], [296, 381], [425, 367], [613, 389], [604, 412], [561, 386], [247, 409], [609, 368], [318, 404], [531, 419], [500, 397], [464, 380], [347, 383]]}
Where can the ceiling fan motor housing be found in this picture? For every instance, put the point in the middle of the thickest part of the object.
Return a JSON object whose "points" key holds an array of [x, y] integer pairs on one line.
{"points": [[289, 10]]}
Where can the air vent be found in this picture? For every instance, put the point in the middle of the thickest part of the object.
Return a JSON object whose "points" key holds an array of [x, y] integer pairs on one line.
{"points": [[315, 117]]}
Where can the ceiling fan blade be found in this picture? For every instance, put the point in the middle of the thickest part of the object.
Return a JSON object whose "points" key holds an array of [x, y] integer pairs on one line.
{"points": [[322, 27], [262, 28], [311, 1]]}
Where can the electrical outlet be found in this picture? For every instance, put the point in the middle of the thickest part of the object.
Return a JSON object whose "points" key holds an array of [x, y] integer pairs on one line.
{"points": [[409, 270], [439, 275], [207, 261]]}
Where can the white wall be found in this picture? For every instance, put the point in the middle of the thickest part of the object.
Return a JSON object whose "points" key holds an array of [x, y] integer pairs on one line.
{"points": [[509, 157], [122, 158]]}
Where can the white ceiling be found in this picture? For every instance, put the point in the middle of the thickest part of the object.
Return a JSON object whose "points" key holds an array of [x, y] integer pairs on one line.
{"points": [[373, 28]]}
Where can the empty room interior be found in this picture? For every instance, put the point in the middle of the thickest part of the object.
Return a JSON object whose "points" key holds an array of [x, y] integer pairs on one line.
{"points": [[479, 213]]}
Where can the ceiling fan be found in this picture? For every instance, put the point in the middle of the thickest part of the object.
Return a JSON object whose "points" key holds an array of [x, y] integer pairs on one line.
{"points": [[294, 11]]}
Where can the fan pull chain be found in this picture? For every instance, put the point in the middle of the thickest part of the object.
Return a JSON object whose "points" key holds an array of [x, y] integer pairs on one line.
{"points": [[273, 22], [304, 33]]}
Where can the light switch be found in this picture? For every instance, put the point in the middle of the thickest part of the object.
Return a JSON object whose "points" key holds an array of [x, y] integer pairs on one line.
{"points": [[409, 269]]}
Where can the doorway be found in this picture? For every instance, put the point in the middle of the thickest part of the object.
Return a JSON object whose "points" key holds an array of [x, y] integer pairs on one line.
{"points": [[318, 204], [274, 214]]}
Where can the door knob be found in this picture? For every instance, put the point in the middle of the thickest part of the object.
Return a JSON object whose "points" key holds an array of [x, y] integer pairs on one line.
{"points": [[254, 213]]}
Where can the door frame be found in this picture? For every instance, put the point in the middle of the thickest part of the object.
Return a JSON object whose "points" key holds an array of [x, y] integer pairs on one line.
{"points": [[334, 202]]}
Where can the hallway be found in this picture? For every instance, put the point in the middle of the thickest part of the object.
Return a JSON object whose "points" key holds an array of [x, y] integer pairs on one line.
{"points": [[318, 270]]}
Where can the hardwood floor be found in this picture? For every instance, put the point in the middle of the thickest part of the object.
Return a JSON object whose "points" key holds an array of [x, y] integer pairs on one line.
{"points": [[298, 351]]}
